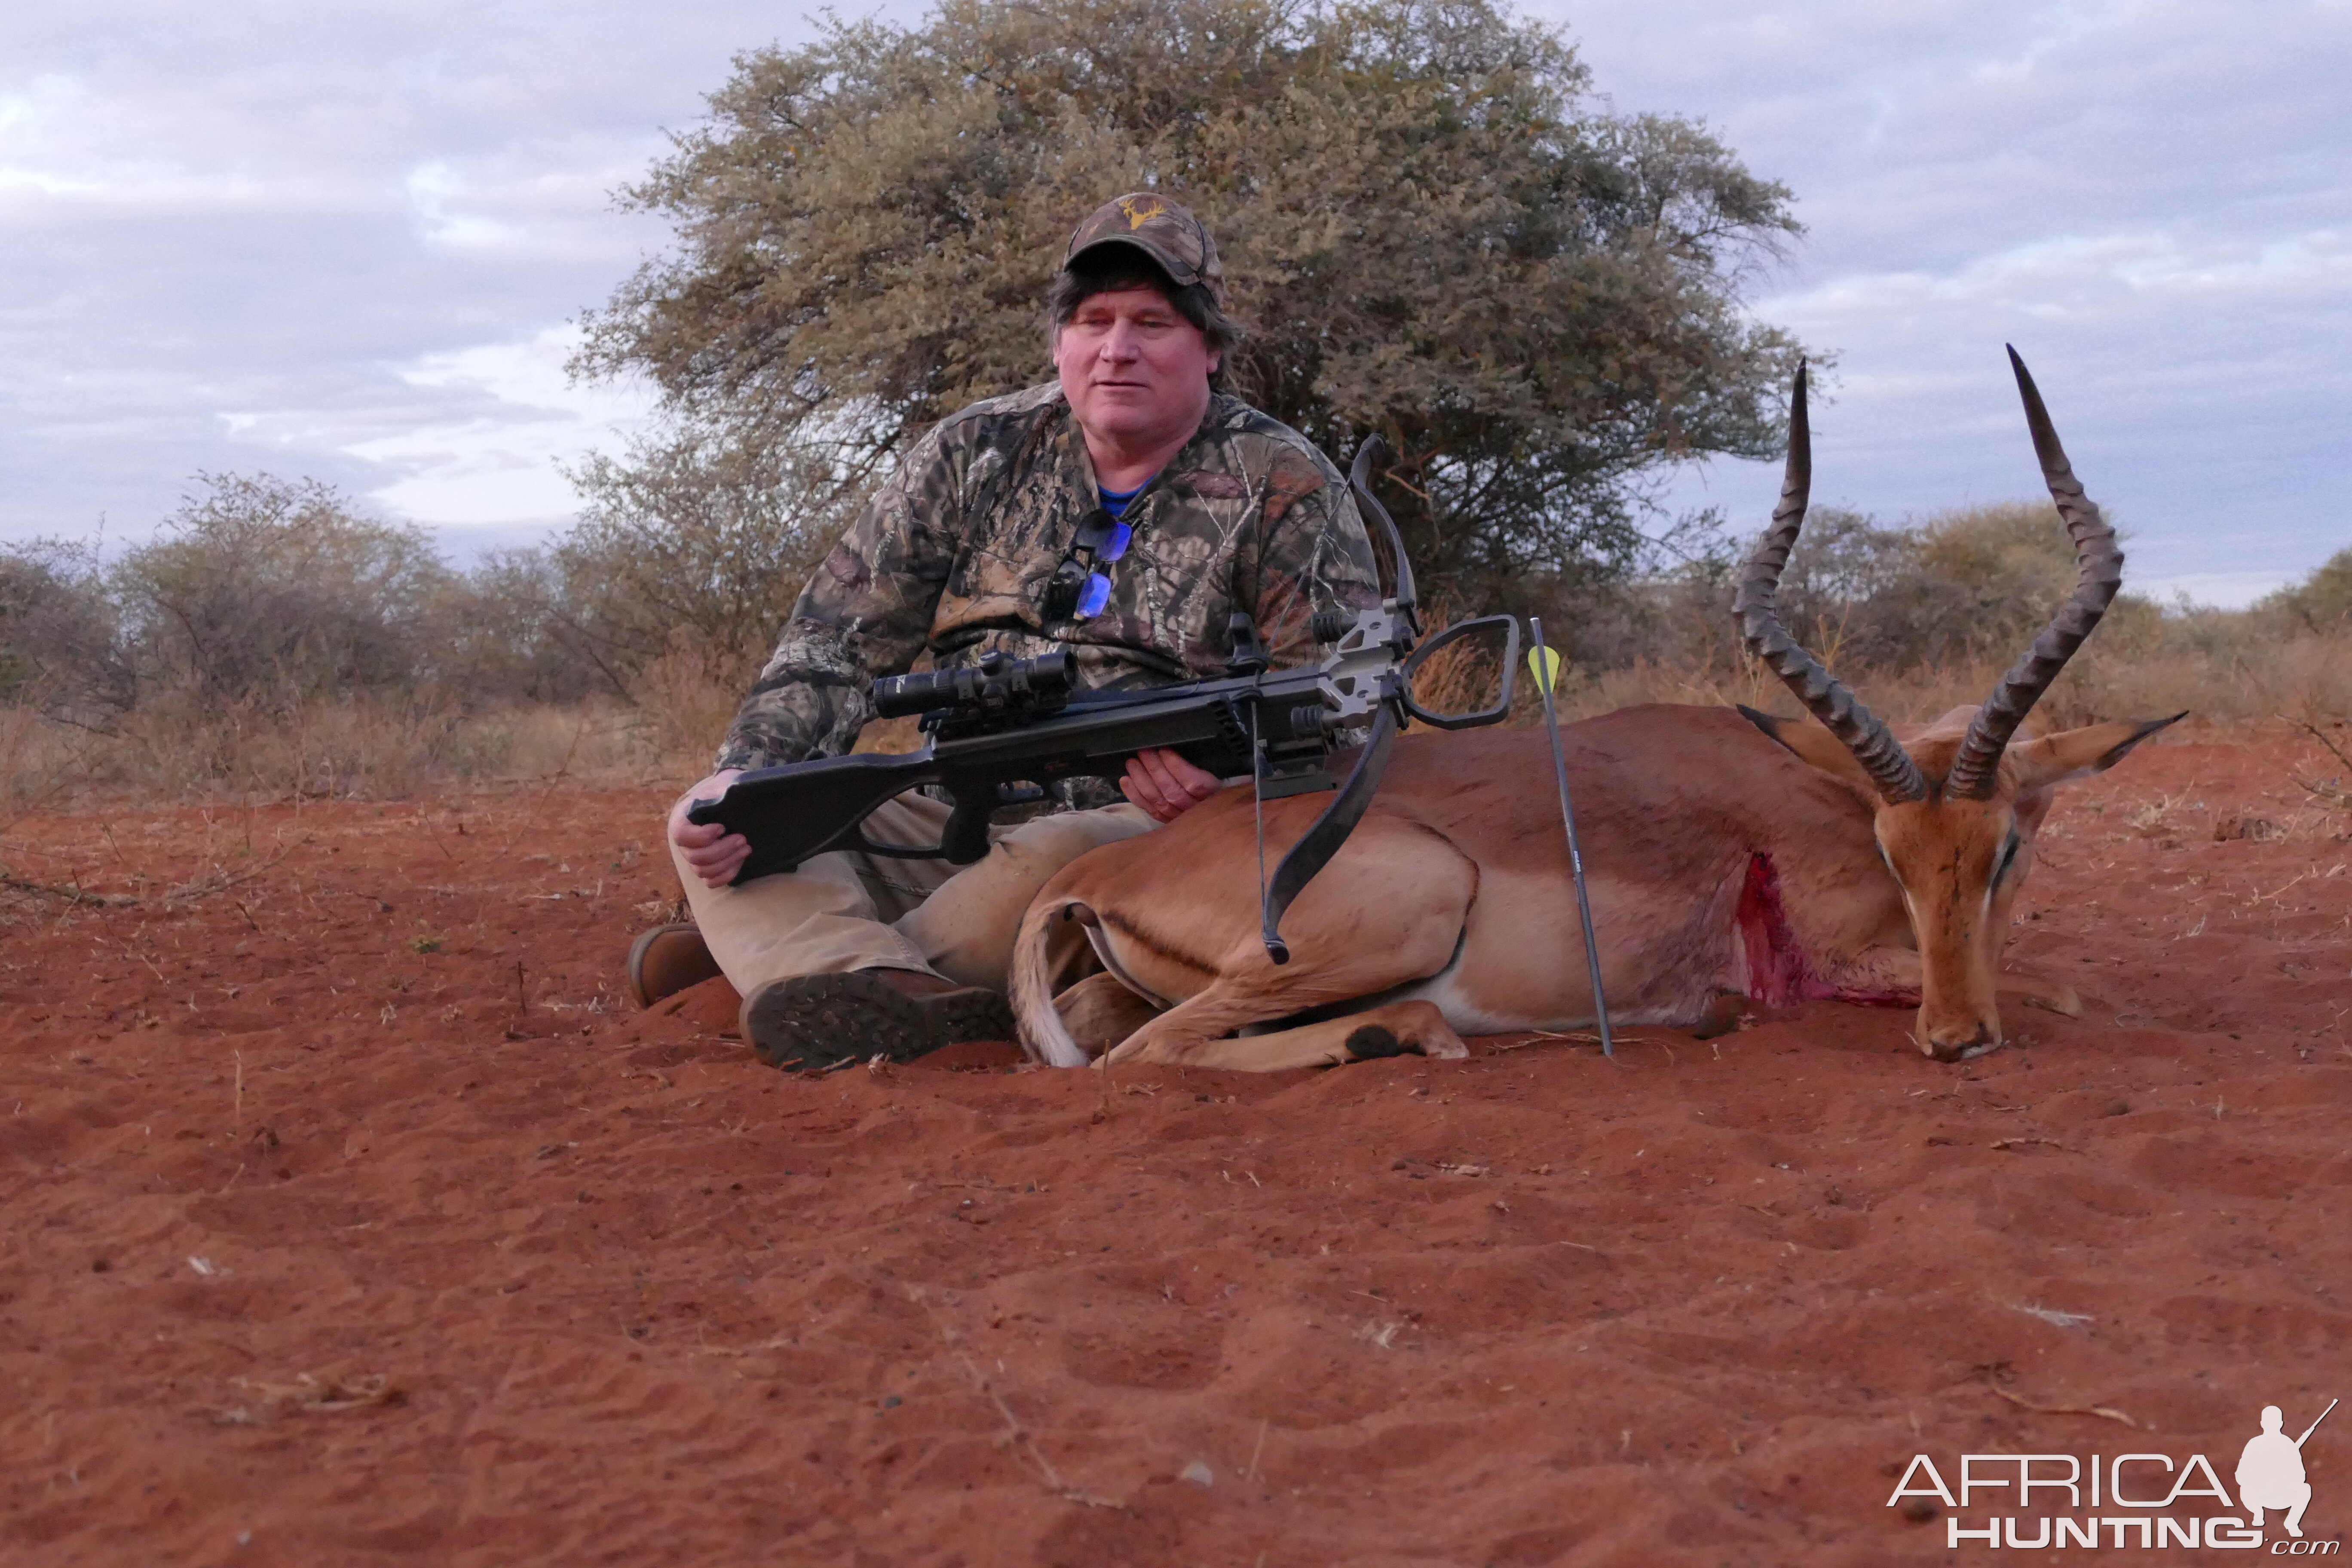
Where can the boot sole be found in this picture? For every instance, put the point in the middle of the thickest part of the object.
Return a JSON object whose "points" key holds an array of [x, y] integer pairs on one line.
{"points": [[814, 1022]]}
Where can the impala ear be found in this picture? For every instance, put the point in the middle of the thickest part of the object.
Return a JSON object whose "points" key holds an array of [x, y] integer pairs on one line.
{"points": [[1814, 743], [2053, 760]]}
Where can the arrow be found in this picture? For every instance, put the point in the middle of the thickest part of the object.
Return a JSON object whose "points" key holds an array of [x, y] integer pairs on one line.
{"points": [[1545, 663]]}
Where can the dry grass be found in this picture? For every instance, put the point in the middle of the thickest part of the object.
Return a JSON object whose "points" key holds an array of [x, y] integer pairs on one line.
{"points": [[356, 746], [2300, 681], [380, 746], [686, 702], [1463, 676], [38, 758]]}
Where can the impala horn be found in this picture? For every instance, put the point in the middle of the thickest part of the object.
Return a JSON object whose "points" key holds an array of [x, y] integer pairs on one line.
{"points": [[1865, 734], [2099, 572]]}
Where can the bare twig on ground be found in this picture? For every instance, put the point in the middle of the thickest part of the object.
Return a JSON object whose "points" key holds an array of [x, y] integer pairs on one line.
{"points": [[2334, 792], [219, 882], [1016, 1433], [67, 895], [1573, 1037], [308, 1395], [2105, 1411], [2054, 1316]]}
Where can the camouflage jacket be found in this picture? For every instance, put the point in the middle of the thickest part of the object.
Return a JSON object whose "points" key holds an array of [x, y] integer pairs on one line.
{"points": [[953, 553]]}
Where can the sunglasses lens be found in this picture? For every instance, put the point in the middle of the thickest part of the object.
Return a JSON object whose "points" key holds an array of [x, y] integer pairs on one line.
{"points": [[1096, 594], [1114, 546]]}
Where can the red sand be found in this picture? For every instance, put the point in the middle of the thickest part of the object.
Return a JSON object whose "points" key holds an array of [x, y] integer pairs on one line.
{"points": [[574, 1284]]}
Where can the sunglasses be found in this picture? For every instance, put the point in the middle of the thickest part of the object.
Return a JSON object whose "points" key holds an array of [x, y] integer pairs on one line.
{"points": [[1079, 590]]}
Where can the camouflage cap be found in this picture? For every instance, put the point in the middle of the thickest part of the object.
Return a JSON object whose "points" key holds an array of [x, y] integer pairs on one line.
{"points": [[1165, 232]]}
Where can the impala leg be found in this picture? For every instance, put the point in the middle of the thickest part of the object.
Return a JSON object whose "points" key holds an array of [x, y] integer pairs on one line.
{"points": [[1099, 1012], [1390, 910], [1882, 974], [1393, 1029], [1399, 944]]}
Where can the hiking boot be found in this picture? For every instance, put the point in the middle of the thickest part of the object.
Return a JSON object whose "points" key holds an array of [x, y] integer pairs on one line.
{"points": [[812, 1022], [665, 960]]}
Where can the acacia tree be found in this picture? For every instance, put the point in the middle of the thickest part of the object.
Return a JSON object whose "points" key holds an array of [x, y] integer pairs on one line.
{"points": [[2322, 602], [696, 534], [1430, 229]]}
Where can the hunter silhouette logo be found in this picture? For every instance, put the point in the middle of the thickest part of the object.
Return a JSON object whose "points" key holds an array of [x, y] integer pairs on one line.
{"points": [[2270, 1472], [2143, 1500]]}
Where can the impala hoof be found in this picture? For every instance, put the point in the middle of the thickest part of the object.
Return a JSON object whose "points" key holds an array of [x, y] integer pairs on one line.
{"points": [[1962, 1049], [1406, 1028]]}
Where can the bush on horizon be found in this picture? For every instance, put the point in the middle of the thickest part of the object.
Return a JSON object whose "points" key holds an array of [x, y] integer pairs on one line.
{"points": [[260, 599]]}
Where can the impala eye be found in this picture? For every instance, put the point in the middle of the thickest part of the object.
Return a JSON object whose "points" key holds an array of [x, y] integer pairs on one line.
{"points": [[2008, 856]]}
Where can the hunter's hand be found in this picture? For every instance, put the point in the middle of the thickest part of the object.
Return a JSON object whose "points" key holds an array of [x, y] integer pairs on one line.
{"points": [[1165, 785], [715, 853]]}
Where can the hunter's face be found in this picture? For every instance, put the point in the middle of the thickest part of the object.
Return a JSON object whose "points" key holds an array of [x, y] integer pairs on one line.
{"points": [[1135, 370]]}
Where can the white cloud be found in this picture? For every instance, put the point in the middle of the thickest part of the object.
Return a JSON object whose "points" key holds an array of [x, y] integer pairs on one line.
{"points": [[344, 241], [478, 445], [501, 465], [2147, 196], [434, 190]]}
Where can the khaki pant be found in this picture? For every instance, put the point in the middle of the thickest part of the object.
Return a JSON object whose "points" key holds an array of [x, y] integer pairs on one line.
{"points": [[848, 909]]}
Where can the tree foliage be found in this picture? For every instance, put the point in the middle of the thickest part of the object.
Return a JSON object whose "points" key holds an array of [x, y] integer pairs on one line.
{"points": [[700, 537], [2321, 602], [1431, 229], [61, 642], [1966, 586], [1975, 583], [263, 586]]}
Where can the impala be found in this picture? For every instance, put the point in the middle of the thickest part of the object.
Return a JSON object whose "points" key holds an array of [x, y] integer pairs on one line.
{"points": [[1730, 855]]}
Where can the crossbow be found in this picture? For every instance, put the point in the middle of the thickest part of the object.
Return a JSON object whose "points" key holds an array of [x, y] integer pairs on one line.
{"points": [[1000, 732]]}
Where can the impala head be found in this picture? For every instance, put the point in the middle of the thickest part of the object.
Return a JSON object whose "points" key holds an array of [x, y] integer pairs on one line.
{"points": [[1957, 807]]}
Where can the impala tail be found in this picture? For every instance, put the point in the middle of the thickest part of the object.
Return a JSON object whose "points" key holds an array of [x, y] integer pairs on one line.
{"points": [[1043, 1035]]}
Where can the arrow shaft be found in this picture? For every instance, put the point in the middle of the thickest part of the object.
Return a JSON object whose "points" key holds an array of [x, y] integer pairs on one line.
{"points": [[1568, 817]]}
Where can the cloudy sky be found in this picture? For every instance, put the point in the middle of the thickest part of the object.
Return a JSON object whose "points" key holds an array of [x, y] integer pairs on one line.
{"points": [[347, 238]]}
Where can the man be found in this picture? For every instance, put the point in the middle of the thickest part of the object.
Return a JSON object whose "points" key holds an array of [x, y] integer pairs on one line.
{"points": [[1122, 511]]}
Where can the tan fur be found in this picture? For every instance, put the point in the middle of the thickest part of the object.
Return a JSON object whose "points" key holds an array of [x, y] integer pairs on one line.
{"points": [[1100, 1011], [1452, 895]]}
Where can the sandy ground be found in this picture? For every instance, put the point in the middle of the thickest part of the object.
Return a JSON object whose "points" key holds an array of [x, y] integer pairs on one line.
{"points": [[349, 1216]]}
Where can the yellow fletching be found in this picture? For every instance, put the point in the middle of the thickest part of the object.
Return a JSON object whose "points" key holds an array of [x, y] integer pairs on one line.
{"points": [[1544, 663]]}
